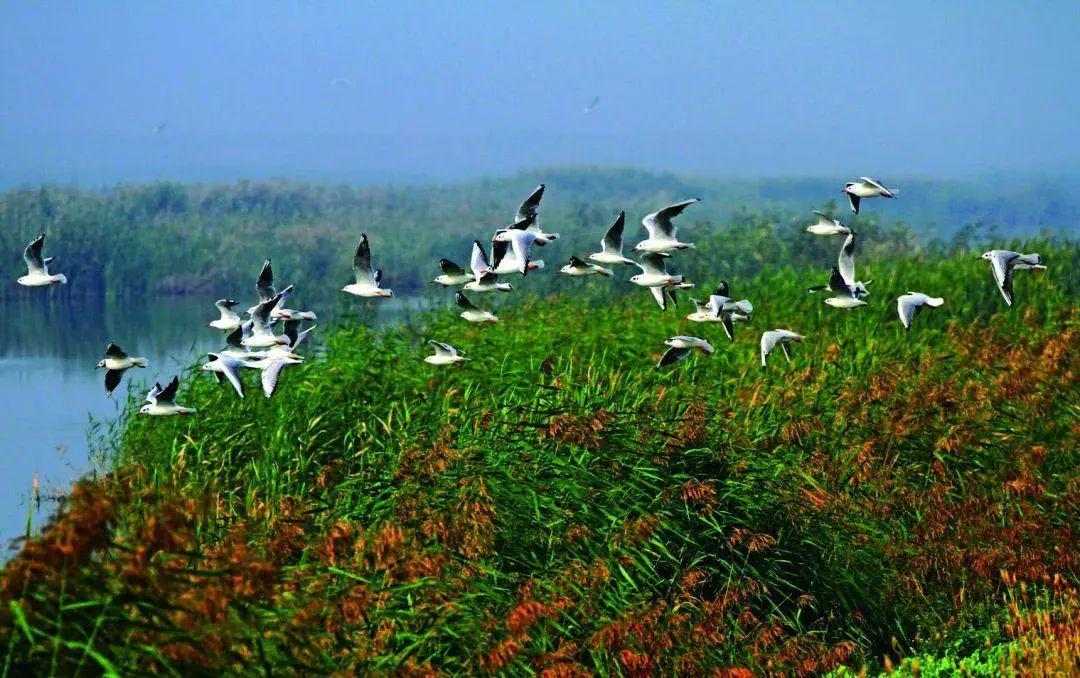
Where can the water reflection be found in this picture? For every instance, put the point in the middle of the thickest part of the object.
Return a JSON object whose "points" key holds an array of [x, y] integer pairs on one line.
{"points": [[51, 395]]}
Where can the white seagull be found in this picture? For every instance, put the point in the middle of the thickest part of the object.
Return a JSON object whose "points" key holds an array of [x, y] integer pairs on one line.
{"points": [[484, 279], [271, 372], [1004, 262], [264, 284], [162, 401], [230, 319], [529, 211], [115, 362], [452, 274], [662, 233], [611, 245], [909, 305], [471, 312], [521, 242], [866, 187], [826, 225], [262, 333], [367, 278], [770, 339], [281, 312], [37, 267], [226, 367], [680, 349], [654, 275], [577, 267], [445, 354], [505, 262], [721, 308]]}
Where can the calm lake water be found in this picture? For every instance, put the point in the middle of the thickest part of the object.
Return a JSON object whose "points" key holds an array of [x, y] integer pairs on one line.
{"points": [[53, 402]]}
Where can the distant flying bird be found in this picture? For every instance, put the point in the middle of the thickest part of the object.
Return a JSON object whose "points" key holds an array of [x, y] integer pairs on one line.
{"points": [[445, 354], [911, 304], [577, 267], [471, 312], [680, 349], [262, 334], [1004, 262], [160, 128], [592, 105], [662, 232], [37, 267], [826, 225], [452, 274], [230, 319], [115, 363], [367, 278], [611, 245], [342, 82], [162, 401], [866, 187], [771, 339], [226, 367]]}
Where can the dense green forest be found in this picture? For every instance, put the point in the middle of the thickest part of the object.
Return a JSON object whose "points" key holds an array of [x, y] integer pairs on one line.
{"points": [[211, 239], [557, 506]]}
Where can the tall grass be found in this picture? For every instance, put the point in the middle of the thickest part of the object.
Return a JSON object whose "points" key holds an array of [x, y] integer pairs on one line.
{"points": [[556, 505]]}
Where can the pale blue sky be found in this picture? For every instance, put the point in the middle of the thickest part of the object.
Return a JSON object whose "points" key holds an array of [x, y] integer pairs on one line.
{"points": [[404, 90]]}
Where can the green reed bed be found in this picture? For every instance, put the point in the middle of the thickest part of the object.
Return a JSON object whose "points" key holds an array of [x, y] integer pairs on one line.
{"points": [[555, 505]]}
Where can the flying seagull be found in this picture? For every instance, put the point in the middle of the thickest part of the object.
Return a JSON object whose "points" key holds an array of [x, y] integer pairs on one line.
{"points": [[162, 401], [654, 275], [115, 362], [264, 284], [826, 225], [911, 304], [37, 267], [866, 187], [529, 212], [226, 367], [592, 106], [271, 373], [505, 262], [681, 346], [770, 339], [471, 312], [280, 311], [521, 242], [611, 244], [842, 283], [577, 267], [367, 278], [452, 274], [723, 309], [1004, 262], [230, 320], [662, 232], [262, 333], [445, 354], [484, 279]]}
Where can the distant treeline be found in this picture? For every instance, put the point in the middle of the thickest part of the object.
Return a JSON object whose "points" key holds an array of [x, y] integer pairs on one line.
{"points": [[169, 238]]}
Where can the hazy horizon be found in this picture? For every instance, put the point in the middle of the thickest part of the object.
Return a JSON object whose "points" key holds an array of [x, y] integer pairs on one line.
{"points": [[97, 94]]}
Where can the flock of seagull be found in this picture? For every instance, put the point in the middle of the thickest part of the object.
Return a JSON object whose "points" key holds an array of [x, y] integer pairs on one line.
{"points": [[253, 344]]}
